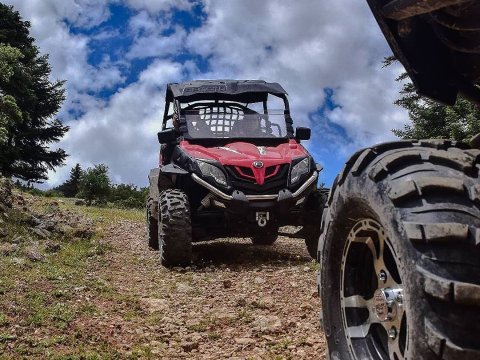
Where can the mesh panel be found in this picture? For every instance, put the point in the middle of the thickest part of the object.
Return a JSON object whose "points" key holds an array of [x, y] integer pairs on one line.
{"points": [[220, 119]]}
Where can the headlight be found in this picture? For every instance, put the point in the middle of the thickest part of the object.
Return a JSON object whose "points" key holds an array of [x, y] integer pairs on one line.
{"points": [[212, 171], [299, 169]]}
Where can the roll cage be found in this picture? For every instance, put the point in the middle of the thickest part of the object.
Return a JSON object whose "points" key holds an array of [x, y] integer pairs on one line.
{"points": [[222, 104]]}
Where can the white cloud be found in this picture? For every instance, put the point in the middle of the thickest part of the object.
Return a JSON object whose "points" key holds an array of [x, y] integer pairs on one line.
{"points": [[307, 46], [155, 6], [122, 133], [156, 45], [68, 53]]}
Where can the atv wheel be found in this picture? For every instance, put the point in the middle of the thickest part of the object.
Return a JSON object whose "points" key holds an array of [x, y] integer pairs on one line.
{"points": [[311, 228], [400, 254], [152, 223], [174, 230], [267, 238]]}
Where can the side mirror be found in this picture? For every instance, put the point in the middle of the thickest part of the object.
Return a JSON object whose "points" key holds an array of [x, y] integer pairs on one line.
{"points": [[302, 133], [167, 136]]}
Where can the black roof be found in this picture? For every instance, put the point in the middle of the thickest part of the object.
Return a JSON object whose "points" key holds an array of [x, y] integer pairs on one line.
{"points": [[237, 90]]}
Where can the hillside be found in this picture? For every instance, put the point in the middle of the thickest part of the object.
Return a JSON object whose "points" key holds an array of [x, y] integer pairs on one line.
{"points": [[79, 282]]}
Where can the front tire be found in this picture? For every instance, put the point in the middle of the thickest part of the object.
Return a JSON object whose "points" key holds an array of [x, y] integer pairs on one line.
{"points": [[311, 226], [174, 228], [152, 223], [400, 254]]}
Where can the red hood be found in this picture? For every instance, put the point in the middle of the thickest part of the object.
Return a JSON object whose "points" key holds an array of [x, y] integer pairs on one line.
{"points": [[243, 155]]}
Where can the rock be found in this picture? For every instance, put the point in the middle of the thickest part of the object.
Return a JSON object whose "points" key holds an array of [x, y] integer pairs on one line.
{"points": [[44, 234], [241, 302], [33, 220], [227, 283], [310, 341], [188, 346], [244, 340], [183, 288], [306, 269], [259, 280], [64, 229], [80, 202], [33, 253], [17, 239], [83, 233], [8, 249], [306, 307], [267, 324], [52, 247], [6, 197], [48, 225], [152, 305]]}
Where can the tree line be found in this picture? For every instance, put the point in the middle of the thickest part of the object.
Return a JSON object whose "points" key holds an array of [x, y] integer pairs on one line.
{"points": [[95, 187]]}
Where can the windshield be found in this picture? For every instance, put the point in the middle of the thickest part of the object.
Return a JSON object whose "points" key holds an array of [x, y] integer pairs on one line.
{"points": [[204, 123]]}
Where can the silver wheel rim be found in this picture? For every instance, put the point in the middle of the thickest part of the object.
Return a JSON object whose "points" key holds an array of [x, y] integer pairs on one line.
{"points": [[372, 295]]}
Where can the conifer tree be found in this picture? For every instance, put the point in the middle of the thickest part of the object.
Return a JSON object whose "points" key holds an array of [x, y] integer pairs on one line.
{"points": [[432, 120], [71, 187], [25, 151]]}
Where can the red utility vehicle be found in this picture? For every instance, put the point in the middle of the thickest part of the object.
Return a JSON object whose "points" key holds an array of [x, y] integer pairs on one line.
{"points": [[230, 165]]}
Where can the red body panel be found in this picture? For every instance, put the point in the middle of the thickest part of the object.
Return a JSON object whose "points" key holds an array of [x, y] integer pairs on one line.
{"points": [[243, 155]]}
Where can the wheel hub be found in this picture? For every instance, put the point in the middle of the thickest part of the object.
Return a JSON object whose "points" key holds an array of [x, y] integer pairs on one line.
{"points": [[385, 303], [371, 283]]}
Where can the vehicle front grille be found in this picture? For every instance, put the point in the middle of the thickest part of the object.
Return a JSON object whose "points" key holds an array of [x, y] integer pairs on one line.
{"points": [[243, 179]]}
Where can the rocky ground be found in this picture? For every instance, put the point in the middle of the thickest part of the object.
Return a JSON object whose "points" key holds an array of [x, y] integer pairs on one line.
{"points": [[92, 289], [236, 301]]}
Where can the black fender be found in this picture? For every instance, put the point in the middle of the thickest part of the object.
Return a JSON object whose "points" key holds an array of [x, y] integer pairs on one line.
{"points": [[157, 183]]}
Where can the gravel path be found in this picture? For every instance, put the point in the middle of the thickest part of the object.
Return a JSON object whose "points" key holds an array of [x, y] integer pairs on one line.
{"points": [[237, 301]]}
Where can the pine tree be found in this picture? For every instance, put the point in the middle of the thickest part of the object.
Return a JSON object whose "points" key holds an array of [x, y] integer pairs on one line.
{"points": [[71, 187], [432, 120], [10, 114], [25, 151]]}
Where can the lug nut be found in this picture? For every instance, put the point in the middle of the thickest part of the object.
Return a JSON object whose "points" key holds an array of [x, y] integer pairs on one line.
{"points": [[392, 333], [382, 276], [399, 298]]}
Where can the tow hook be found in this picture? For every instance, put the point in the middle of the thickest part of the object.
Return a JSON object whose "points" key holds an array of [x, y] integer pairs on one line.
{"points": [[262, 217]]}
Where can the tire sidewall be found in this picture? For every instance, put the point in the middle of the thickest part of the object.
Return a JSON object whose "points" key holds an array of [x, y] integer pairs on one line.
{"points": [[359, 198]]}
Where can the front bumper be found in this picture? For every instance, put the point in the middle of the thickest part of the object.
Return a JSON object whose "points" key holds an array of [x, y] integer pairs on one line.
{"points": [[227, 197], [239, 203]]}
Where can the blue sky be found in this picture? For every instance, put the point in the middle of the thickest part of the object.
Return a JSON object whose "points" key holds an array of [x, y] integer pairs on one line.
{"points": [[117, 56]]}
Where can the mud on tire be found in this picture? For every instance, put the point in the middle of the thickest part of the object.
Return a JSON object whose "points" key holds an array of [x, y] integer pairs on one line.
{"points": [[152, 223], [403, 222], [174, 228]]}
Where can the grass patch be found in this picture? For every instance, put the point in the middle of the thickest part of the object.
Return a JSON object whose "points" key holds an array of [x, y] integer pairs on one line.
{"points": [[245, 316], [46, 299]]}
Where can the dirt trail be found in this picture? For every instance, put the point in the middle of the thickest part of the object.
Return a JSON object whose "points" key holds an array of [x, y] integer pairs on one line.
{"points": [[236, 300]]}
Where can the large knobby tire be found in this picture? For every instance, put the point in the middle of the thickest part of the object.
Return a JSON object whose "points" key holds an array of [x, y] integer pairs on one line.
{"points": [[311, 228], [400, 254], [152, 223], [174, 228]]}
